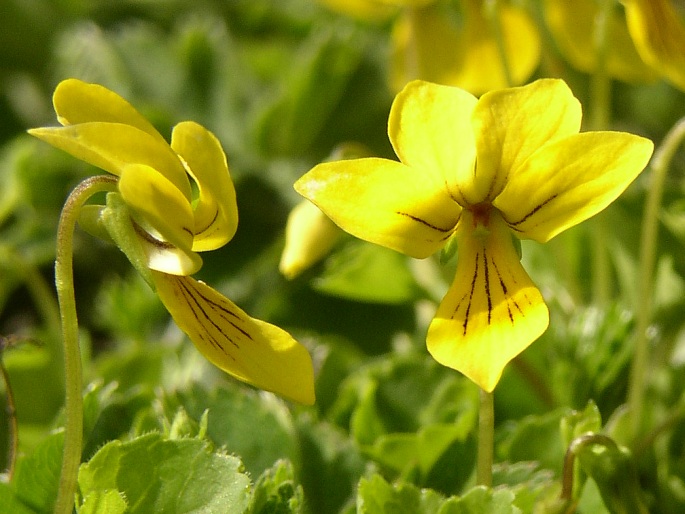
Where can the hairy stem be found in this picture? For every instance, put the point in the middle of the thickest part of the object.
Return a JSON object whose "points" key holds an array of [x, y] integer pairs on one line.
{"points": [[64, 281]]}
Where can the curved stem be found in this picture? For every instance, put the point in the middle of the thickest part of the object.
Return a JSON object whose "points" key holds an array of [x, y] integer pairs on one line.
{"points": [[648, 241], [64, 281], [486, 438]]}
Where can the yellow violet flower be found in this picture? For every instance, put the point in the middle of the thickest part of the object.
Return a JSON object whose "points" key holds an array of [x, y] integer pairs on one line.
{"points": [[170, 223], [510, 164], [429, 45], [659, 36], [309, 236], [573, 26]]}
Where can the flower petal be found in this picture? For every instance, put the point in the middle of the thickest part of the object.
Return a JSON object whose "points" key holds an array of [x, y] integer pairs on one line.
{"points": [[492, 311], [157, 204], [144, 251], [384, 202], [113, 146], [430, 131], [572, 24], [659, 35], [570, 180], [309, 236], [216, 213], [427, 44], [251, 350], [510, 124], [79, 102]]}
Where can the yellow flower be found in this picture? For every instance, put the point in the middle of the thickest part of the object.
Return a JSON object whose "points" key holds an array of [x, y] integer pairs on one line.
{"points": [[169, 223], [659, 36], [573, 25], [429, 45], [309, 236], [510, 164]]}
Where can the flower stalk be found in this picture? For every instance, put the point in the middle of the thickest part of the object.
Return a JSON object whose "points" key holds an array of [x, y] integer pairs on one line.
{"points": [[486, 438], [647, 260], [64, 282]]}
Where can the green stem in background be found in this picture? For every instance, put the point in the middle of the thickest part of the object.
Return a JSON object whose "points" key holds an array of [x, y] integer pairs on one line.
{"points": [[486, 438], [11, 412], [648, 242], [599, 119], [64, 281]]}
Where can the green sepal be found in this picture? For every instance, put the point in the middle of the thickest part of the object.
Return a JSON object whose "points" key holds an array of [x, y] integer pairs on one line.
{"points": [[517, 245], [90, 220], [116, 218], [449, 251]]}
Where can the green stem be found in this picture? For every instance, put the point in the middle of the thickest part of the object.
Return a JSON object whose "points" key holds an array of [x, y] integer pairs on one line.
{"points": [[486, 438], [600, 118], [648, 242], [64, 281], [10, 410]]}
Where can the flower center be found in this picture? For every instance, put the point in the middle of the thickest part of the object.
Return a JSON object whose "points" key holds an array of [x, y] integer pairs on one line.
{"points": [[480, 219]]}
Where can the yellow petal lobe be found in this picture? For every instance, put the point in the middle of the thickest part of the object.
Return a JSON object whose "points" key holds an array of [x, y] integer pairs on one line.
{"points": [[429, 128], [309, 236], [384, 202], [79, 102], [250, 350], [216, 212], [510, 124], [492, 311], [571, 180]]}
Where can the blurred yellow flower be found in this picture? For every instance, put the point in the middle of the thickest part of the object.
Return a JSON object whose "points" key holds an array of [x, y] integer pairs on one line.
{"points": [[429, 44], [169, 223], [309, 236], [659, 35], [434, 42], [510, 164], [573, 26]]}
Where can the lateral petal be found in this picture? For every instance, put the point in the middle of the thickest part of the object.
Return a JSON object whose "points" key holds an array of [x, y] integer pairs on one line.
{"points": [[570, 180], [251, 350], [216, 212], [158, 204], [492, 311], [113, 146], [511, 124], [78, 102], [384, 202], [430, 131]]}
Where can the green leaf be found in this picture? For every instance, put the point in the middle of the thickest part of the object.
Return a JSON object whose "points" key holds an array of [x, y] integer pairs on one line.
{"points": [[368, 273], [37, 476], [276, 492], [10, 503], [157, 475], [331, 466], [481, 500], [376, 496], [256, 427], [105, 502]]}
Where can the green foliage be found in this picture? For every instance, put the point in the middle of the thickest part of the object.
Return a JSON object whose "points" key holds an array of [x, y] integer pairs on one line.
{"points": [[282, 83]]}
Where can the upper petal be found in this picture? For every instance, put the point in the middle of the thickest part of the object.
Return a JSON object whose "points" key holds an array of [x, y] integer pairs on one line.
{"points": [[570, 180], [251, 350], [511, 124], [659, 35], [385, 202], [216, 212], [113, 146], [429, 128], [492, 311], [77, 102]]}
